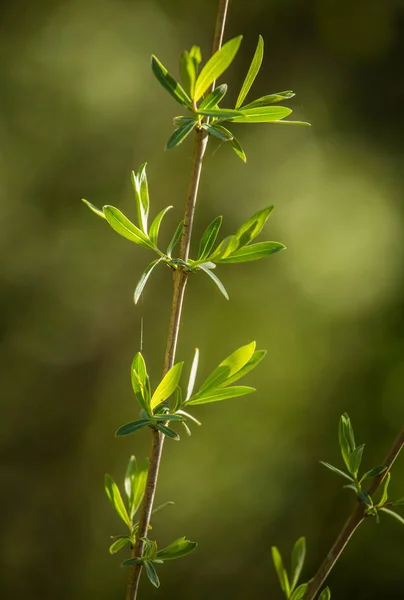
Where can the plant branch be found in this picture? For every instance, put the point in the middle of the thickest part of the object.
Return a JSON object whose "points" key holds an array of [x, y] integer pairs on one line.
{"points": [[355, 519], [179, 284]]}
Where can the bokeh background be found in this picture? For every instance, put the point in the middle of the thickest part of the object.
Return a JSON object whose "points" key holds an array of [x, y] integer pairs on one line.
{"points": [[79, 110]]}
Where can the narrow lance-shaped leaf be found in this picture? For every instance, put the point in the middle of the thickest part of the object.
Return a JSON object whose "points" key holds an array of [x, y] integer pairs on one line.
{"points": [[252, 72], [225, 248], [270, 99], [135, 483], [213, 98], [280, 571], [155, 226], [224, 114], [335, 470], [298, 558], [151, 573], [238, 149], [325, 594], [140, 382], [299, 592], [177, 549], [373, 473], [229, 367], [167, 431], [167, 385], [94, 209], [115, 498], [179, 134], [265, 114], [143, 279], [253, 227], [249, 366], [252, 252], [384, 490], [216, 65], [175, 238], [192, 375], [139, 181], [209, 238], [217, 131], [393, 514], [305, 123], [188, 73], [169, 83], [126, 228], [355, 460], [131, 427], [216, 279], [119, 544], [220, 394]]}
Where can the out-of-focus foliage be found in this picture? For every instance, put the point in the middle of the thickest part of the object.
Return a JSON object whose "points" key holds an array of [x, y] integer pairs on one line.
{"points": [[78, 113]]}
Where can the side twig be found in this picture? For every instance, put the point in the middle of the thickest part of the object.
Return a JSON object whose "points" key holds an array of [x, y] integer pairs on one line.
{"points": [[179, 284], [355, 519]]}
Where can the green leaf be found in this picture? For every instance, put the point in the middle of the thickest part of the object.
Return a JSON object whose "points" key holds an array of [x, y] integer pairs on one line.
{"points": [[305, 123], [253, 227], [216, 65], [167, 385], [195, 54], [161, 506], [140, 382], [135, 483], [355, 460], [179, 134], [229, 367], [190, 417], [392, 514], [119, 544], [253, 252], [349, 433], [151, 573], [95, 210], [384, 490], [299, 592], [373, 473], [139, 182], [252, 72], [188, 72], [175, 238], [209, 238], [343, 441], [170, 84], [217, 131], [177, 549], [167, 417], [281, 572], [366, 499], [115, 498], [271, 99], [155, 226], [168, 431], [213, 98], [335, 470], [131, 427], [143, 279], [220, 113], [325, 594], [126, 228], [298, 558], [263, 114], [399, 502], [220, 394], [192, 375], [249, 366], [238, 149], [225, 248], [216, 279]]}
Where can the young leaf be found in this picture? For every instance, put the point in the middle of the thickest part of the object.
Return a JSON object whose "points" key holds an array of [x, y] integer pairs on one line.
{"points": [[262, 114], [139, 182], [135, 483], [343, 441], [129, 476], [253, 252], [271, 99], [119, 544], [384, 490], [298, 558], [299, 592], [115, 498], [161, 506], [209, 238], [355, 460], [168, 431], [155, 226], [305, 123], [249, 366], [325, 594], [213, 98], [177, 549], [175, 238], [195, 54], [220, 394], [216, 65], [225, 248], [279, 568], [238, 149], [253, 227], [151, 573], [179, 134], [366, 499], [170, 84], [95, 210], [140, 382], [192, 375], [188, 73], [218, 131], [167, 385], [216, 279], [224, 114], [126, 228], [349, 433], [131, 427], [143, 279], [190, 417], [392, 514], [252, 72], [231, 365], [373, 473], [163, 417], [335, 470]]}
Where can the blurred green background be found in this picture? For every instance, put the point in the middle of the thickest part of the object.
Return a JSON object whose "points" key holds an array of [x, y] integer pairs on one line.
{"points": [[79, 110]]}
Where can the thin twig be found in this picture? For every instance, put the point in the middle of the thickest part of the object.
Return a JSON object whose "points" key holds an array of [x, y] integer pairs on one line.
{"points": [[179, 284], [355, 519]]}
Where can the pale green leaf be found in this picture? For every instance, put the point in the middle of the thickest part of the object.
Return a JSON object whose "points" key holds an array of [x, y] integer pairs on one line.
{"points": [[216, 395], [170, 84], [335, 470], [167, 385], [325, 594], [252, 72], [175, 239], [249, 366], [126, 228], [155, 226], [252, 252], [209, 238], [188, 73], [177, 549], [280, 571], [213, 98], [216, 65], [115, 498], [264, 114], [298, 558], [393, 514], [93, 208], [119, 544], [143, 279], [253, 227], [192, 375], [214, 278], [270, 99], [229, 367]]}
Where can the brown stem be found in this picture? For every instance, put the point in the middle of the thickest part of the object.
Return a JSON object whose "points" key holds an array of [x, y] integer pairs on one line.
{"points": [[355, 519], [179, 284]]}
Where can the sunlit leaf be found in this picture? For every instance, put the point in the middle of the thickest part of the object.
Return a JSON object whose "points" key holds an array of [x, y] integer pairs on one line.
{"points": [[252, 72], [214, 278], [221, 113], [140, 187], [175, 238], [238, 149], [355, 460], [140, 382], [179, 134], [252, 252], [177, 549], [188, 73], [253, 227], [167, 385], [264, 114], [119, 544], [270, 99], [217, 395], [384, 490], [280, 571], [225, 248], [126, 228], [299, 592], [229, 367], [192, 375], [115, 498], [254, 361], [143, 279], [216, 65], [298, 558], [209, 238], [155, 226], [169, 83], [94, 209], [135, 483], [213, 98]]}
